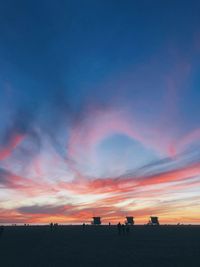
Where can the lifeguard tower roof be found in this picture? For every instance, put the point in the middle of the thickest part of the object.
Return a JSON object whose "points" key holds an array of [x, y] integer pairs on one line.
{"points": [[130, 220], [96, 220], [154, 220]]}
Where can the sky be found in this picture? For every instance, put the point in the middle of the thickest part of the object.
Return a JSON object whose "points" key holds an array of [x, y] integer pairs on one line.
{"points": [[99, 111]]}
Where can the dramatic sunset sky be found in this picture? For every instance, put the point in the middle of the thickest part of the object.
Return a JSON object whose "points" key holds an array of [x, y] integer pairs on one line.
{"points": [[99, 111]]}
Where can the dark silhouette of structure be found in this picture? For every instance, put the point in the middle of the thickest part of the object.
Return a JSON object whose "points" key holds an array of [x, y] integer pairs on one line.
{"points": [[153, 221], [96, 221], [129, 220]]}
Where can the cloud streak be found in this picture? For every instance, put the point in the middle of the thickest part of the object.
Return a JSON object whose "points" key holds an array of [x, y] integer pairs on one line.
{"points": [[95, 122]]}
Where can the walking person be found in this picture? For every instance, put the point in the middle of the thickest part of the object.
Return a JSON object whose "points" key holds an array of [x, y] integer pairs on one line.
{"points": [[123, 229], [127, 229], [119, 228]]}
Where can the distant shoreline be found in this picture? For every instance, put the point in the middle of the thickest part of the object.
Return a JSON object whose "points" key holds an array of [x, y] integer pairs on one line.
{"points": [[102, 225]]}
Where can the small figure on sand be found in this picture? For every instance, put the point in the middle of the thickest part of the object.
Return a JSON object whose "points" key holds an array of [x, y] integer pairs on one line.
{"points": [[1, 230], [83, 226], [123, 229], [119, 228], [127, 229], [51, 226]]}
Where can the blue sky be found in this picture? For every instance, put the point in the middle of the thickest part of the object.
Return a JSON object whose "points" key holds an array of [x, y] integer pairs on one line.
{"points": [[93, 93]]}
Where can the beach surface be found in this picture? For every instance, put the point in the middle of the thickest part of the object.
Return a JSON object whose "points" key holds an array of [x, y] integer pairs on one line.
{"points": [[38, 246]]}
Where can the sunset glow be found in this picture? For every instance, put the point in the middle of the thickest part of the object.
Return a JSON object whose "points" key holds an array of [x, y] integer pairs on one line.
{"points": [[98, 117]]}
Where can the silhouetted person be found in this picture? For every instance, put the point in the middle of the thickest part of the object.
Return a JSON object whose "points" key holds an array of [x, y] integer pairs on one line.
{"points": [[83, 226], [1, 230], [123, 229], [119, 228], [127, 229], [55, 226], [109, 224], [51, 226]]}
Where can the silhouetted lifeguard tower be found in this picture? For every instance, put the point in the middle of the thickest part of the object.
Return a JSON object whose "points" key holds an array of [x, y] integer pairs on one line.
{"points": [[154, 221], [129, 220], [96, 221]]}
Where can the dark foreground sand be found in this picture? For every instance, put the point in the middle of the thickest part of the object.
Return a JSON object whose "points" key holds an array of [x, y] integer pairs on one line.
{"points": [[100, 246]]}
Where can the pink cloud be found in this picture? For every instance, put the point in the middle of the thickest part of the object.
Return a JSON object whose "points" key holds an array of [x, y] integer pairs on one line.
{"points": [[188, 139], [129, 184], [16, 140], [100, 124]]}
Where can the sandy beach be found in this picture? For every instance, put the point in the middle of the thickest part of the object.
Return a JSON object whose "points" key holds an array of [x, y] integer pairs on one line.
{"points": [[38, 246]]}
